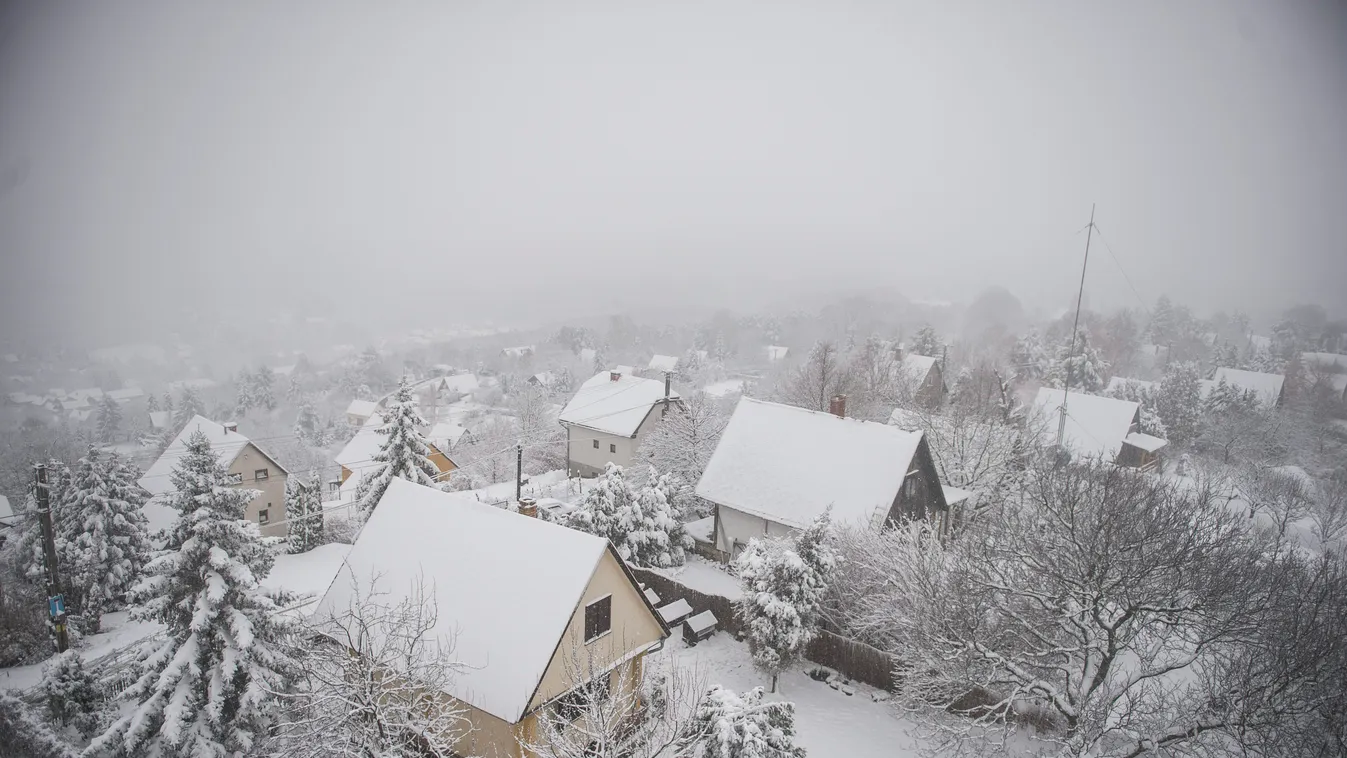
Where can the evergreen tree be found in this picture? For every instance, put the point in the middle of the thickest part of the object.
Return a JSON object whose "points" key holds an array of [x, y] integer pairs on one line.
{"points": [[1178, 402], [203, 691], [601, 511], [109, 420], [189, 406], [73, 696], [1164, 326], [168, 402], [151, 404], [731, 726], [783, 586], [404, 453], [1030, 357], [105, 540], [264, 395], [681, 445], [926, 342], [29, 558], [304, 511], [1085, 368], [246, 396], [24, 735], [651, 535], [308, 426]]}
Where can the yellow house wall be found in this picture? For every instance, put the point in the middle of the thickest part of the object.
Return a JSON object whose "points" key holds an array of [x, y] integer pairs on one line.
{"points": [[633, 626], [271, 492]]}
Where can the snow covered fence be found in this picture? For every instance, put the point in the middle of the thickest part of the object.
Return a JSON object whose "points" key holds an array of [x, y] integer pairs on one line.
{"points": [[852, 659]]}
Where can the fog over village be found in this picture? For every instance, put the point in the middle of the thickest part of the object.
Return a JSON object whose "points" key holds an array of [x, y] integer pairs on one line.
{"points": [[673, 380]]}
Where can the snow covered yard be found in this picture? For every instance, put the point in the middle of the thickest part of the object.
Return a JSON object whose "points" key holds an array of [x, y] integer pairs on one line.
{"points": [[828, 722], [121, 632], [704, 576]]}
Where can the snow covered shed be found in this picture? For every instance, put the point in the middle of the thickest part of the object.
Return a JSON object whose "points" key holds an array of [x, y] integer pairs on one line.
{"points": [[359, 411], [661, 363], [532, 624], [251, 468], [1267, 387], [777, 467], [1098, 427], [608, 418]]}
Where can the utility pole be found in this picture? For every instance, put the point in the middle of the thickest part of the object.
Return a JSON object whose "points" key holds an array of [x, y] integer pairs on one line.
{"points": [[518, 470], [55, 599], [1070, 353], [668, 381]]}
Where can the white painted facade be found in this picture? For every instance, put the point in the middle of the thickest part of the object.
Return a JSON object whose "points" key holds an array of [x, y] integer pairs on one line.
{"points": [[588, 450]]}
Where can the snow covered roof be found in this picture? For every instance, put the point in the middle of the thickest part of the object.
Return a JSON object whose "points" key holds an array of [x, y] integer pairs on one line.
{"points": [[80, 415], [663, 363], [1145, 441], [160, 419], [725, 388], [1095, 426], [6, 511], [543, 378], [701, 529], [907, 420], [196, 384], [360, 449], [516, 352], [1268, 387], [954, 495], [1117, 383], [127, 393], [505, 609], [917, 367], [777, 352], [446, 434], [460, 383], [613, 406], [88, 393], [225, 444], [1328, 361], [587, 354], [364, 408], [787, 464]]}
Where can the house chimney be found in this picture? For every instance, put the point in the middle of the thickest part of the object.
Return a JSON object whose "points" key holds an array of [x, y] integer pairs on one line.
{"points": [[838, 406], [898, 351], [528, 507], [614, 376], [231, 426]]}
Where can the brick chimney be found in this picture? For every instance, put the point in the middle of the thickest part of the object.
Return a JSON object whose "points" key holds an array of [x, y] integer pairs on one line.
{"points": [[230, 426], [528, 507], [838, 406], [614, 376]]}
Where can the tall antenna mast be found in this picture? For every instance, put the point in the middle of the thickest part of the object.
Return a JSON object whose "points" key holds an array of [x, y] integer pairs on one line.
{"points": [[1071, 353]]}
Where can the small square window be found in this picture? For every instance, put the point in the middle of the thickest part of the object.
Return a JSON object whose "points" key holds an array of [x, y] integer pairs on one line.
{"points": [[261, 475], [612, 447], [263, 516], [598, 618], [596, 444]]}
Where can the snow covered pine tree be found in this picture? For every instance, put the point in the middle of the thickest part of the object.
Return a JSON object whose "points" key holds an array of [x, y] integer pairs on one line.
{"points": [[784, 583], [404, 452], [734, 726], [304, 511], [105, 535], [202, 691]]}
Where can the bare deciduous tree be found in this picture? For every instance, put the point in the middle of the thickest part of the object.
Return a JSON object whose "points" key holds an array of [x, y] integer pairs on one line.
{"points": [[1328, 509], [822, 376], [375, 682]]}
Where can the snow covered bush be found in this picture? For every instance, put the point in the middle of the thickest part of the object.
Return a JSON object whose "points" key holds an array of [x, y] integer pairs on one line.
{"points": [[73, 696], [105, 539], [638, 521], [744, 726], [404, 453], [202, 690], [24, 735], [783, 587]]}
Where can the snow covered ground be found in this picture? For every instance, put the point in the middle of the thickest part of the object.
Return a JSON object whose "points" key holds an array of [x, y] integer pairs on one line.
{"points": [[120, 631], [704, 576], [827, 722]]}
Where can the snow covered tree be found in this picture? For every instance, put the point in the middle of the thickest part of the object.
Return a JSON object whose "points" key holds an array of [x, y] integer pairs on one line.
{"points": [[246, 397], [28, 555], [1030, 356], [168, 402], [728, 725], [109, 420], [104, 535], [304, 512], [151, 404], [1178, 402], [264, 394], [73, 695], [783, 586], [308, 426], [372, 680], [189, 405], [404, 453], [1083, 367], [822, 376], [927, 342], [681, 445], [203, 689], [639, 522], [24, 735], [1164, 326]]}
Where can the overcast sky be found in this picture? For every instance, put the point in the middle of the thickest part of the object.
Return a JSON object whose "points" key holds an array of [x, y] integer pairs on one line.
{"points": [[426, 157]]}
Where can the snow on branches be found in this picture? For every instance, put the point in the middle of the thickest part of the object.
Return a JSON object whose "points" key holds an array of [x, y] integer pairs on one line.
{"points": [[404, 453], [639, 521]]}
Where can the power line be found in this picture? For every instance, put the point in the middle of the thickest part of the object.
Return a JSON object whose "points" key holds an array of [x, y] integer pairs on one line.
{"points": [[1122, 270]]}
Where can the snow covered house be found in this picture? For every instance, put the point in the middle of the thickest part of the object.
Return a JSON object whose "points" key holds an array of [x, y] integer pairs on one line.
{"points": [[777, 467], [1330, 362], [777, 353], [357, 456], [250, 466], [519, 351], [543, 380], [1268, 388], [608, 418], [8, 519], [532, 625], [1098, 427], [924, 376], [662, 363], [126, 394], [359, 411], [161, 420]]}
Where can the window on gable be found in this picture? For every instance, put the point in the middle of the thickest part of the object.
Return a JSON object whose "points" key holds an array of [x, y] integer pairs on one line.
{"points": [[263, 516], [596, 444], [261, 475], [598, 618]]}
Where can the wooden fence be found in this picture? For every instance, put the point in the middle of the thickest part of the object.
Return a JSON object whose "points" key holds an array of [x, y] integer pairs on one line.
{"points": [[852, 659]]}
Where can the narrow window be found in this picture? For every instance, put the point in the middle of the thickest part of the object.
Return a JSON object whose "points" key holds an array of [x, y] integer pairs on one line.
{"points": [[598, 618], [596, 444], [263, 516], [612, 447], [260, 475]]}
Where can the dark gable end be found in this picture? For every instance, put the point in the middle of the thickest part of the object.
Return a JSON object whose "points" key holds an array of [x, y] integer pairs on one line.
{"points": [[928, 499]]}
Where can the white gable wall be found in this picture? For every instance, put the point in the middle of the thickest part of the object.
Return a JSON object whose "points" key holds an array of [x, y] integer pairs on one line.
{"points": [[586, 460], [735, 528]]}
